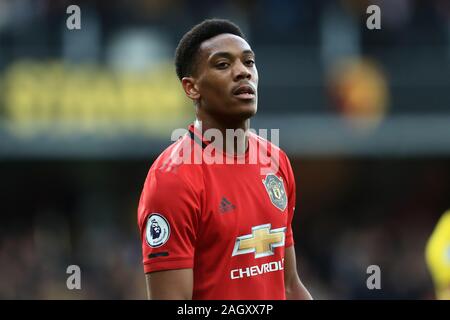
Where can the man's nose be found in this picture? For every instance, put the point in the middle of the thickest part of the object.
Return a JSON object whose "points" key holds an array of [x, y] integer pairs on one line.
{"points": [[241, 72]]}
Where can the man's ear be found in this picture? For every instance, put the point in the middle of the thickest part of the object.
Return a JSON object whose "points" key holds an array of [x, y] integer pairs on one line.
{"points": [[190, 88]]}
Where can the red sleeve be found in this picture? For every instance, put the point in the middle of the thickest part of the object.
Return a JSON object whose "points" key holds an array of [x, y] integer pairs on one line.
{"points": [[291, 202], [168, 215]]}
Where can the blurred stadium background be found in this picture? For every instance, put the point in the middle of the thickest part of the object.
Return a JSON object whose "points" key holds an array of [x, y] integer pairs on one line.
{"points": [[363, 114]]}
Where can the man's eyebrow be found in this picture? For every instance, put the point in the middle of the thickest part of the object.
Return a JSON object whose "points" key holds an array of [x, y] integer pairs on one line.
{"points": [[226, 54]]}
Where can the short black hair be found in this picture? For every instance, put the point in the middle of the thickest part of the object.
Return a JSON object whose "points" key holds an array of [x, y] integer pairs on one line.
{"points": [[187, 48]]}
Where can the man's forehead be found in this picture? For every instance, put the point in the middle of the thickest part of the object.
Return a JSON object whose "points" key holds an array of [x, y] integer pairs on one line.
{"points": [[225, 42]]}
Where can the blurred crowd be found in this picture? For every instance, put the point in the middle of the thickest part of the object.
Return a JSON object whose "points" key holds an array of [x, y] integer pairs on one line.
{"points": [[313, 37], [355, 213]]}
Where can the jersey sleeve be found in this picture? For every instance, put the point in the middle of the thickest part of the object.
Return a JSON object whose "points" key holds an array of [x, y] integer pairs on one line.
{"points": [[291, 191], [168, 216]]}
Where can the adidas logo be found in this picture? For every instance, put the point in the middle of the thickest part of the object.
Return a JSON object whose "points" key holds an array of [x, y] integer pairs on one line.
{"points": [[226, 206]]}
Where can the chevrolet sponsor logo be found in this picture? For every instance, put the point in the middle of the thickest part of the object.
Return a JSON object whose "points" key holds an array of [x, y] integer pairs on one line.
{"points": [[257, 270], [262, 241]]}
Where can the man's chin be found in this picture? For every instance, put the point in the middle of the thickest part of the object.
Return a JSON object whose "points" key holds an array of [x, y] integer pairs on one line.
{"points": [[245, 112], [236, 113]]}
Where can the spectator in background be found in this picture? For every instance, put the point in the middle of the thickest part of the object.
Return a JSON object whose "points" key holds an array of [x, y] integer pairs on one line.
{"points": [[438, 257]]}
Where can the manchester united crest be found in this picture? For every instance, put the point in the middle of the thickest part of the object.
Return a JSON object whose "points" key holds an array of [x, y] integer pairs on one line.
{"points": [[275, 188]]}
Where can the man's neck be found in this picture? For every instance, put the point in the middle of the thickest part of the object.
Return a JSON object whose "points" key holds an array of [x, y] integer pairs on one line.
{"points": [[239, 139]]}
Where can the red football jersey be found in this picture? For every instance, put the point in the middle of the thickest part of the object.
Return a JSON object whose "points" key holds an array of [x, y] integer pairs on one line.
{"points": [[231, 223]]}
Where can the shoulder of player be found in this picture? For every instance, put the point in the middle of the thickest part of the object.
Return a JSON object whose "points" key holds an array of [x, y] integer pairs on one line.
{"points": [[446, 217], [443, 225], [170, 168], [265, 145], [277, 155]]}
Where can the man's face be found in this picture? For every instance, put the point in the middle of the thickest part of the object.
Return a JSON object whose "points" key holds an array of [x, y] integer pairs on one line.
{"points": [[227, 78]]}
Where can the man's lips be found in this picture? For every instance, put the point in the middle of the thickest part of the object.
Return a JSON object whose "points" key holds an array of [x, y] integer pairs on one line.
{"points": [[244, 91]]}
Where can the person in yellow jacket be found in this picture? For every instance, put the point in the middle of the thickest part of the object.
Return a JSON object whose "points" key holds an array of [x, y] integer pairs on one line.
{"points": [[437, 254]]}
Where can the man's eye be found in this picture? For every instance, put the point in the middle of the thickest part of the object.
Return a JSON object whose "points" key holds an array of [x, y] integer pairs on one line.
{"points": [[222, 65], [250, 62]]}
